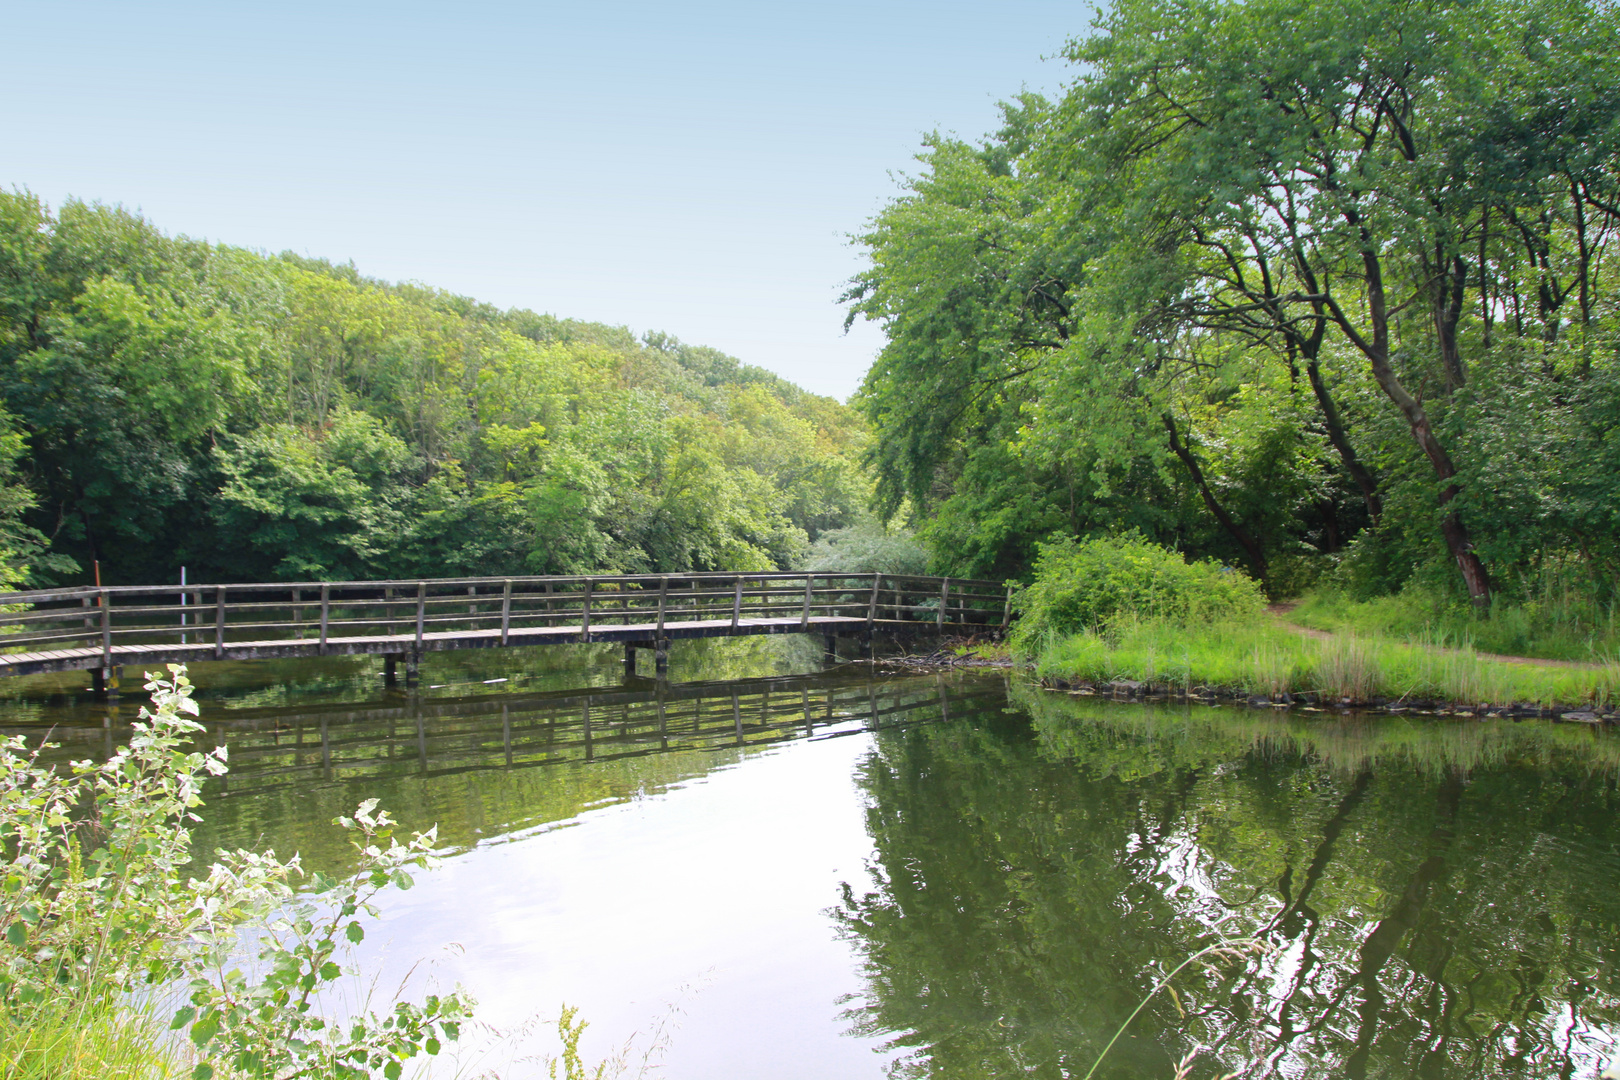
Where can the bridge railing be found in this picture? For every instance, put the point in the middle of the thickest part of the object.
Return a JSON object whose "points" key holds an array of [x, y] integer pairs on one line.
{"points": [[412, 612]]}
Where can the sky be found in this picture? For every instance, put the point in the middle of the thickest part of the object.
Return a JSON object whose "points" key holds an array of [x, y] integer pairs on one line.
{"points": [[692, 168]]}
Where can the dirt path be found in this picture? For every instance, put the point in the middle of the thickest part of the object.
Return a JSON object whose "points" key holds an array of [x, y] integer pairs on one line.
{"points": [[1278, 611]]}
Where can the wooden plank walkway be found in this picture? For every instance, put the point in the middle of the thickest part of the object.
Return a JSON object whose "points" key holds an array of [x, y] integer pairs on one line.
{"points": [[104, 629]]}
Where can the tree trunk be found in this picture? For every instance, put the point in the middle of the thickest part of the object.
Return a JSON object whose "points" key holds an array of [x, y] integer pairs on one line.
{"points": [[1469, 565], [1257, 558], [1341, 442]]}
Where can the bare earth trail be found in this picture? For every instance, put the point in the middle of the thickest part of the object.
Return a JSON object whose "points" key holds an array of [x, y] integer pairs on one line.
{"points": [[1279, 611]]}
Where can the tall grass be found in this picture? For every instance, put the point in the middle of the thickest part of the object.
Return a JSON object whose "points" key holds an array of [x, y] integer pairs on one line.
{"points": [[1256, 656], [102, 1042], [1555, 624]]}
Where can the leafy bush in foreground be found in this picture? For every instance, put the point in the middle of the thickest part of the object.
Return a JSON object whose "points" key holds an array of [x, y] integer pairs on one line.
{"points": [[1088, 584], [92, 909]]}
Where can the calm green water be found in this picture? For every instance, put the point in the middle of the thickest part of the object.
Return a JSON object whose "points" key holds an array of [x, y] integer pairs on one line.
{"points": [[827, 875]]}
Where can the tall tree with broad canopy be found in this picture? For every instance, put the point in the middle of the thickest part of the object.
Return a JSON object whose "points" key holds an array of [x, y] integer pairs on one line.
{"points": [[1408, 201]]}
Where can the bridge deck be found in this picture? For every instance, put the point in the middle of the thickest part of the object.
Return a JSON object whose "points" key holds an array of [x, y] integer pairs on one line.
{"points": [[104, 628], [34, 663]]}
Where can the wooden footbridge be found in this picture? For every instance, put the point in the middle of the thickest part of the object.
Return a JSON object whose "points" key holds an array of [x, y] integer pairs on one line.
{"points": [[102, 629]]}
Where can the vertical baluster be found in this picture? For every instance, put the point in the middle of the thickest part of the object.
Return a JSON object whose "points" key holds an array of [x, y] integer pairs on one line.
{"points": [[506, 609], [421, 612], [106, 630], [219, 622]]}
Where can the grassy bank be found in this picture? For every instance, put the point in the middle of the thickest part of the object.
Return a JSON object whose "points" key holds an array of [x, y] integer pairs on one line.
{"points": [[1554, 626], [1257, 656]]}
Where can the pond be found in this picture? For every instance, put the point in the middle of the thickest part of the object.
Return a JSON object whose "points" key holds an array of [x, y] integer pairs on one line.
{"points": [[817, 874]]}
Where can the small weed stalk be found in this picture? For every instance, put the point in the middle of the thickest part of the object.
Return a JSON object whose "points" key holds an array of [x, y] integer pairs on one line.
{"points": [[1226, 950]]}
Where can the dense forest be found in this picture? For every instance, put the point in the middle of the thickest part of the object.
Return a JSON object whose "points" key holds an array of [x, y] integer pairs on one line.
{"points": [[1325, 291], [172, 403]]}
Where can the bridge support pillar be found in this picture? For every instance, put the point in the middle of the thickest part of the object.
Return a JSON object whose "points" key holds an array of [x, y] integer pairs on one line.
{"points": [[104, 682], [629, 659], [868, 651], [661, 657], [390, 669], [829, 649], [413, 663]]}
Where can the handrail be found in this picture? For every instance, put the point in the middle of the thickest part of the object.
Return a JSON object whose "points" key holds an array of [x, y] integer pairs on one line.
{"points": [[78, 592]]}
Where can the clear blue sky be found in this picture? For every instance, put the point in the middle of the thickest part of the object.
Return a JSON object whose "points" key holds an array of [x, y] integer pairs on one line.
{"points": [[693, 168]]}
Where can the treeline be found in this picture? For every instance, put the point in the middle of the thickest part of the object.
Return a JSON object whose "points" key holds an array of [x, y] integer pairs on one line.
{"points": [[1323, 290], [175, 403]]}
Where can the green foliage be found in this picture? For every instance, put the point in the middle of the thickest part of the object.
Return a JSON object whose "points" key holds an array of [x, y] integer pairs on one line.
{"points": [[1286, 285], [1093, 583], [94, 908], [181, 403]]}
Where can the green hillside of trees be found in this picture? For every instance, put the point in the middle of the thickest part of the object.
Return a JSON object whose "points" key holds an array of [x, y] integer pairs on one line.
{"points": [[171, 403], [1325, 291]]}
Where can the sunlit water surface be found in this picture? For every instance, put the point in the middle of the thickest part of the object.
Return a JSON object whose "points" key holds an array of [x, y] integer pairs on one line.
{"points": [[835, 875]]}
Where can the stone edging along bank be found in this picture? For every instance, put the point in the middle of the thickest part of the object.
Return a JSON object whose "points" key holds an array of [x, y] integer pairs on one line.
{"points": [[1126, 690]]}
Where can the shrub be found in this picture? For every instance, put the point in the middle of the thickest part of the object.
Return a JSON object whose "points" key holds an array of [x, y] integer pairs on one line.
{"points": [[868, 547], [1089, 584], [93, 910]]}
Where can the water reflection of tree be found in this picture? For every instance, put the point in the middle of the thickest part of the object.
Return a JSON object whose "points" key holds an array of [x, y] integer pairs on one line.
{"points": [[1440, 910]]}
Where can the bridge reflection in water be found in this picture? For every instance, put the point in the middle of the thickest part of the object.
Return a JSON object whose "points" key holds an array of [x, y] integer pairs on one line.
{"points": [[440, 737]]}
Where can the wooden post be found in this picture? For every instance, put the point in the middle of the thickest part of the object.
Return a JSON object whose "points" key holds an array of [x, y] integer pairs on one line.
{"points": [[661, 657], [326, 610], [1006, 612], [506, 610], [298, 615], [219, 622], [106, 629], [663, 596], [585, 614], [390, 669], [944, 598], [809, 583], [388, 609], [472, 609], [871, 611], [421, 611], [829, 652], [630, 659], [736, 605]]}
